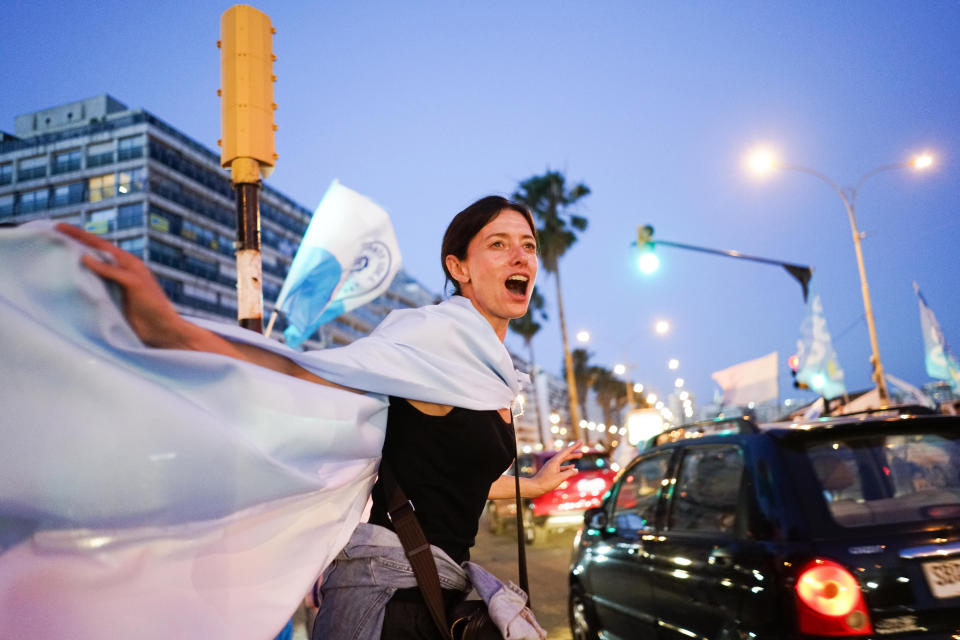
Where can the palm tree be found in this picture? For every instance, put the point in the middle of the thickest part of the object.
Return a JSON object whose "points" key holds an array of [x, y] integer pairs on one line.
{"points": [[527, 326], [582, 377], [611, 396], [549, 199]]}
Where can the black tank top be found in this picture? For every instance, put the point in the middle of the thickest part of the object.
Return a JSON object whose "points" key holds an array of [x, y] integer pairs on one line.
{"points": [[445, 465]]}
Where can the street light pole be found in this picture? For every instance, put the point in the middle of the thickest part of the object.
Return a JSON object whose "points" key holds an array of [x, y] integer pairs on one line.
{"points": [[762, 161]]}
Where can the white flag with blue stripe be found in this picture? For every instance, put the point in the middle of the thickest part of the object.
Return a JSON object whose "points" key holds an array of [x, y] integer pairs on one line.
{"points": [[348, 256], [940, 361]]}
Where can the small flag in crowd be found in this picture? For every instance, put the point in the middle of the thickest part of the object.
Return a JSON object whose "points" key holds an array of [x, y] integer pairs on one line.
{"points": [[750, 381], [817, 364], [348, 256], [940, 361]]}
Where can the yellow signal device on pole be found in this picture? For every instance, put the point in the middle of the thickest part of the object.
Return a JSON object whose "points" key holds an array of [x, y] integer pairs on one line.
{"points": [[246, 76], [246, 143]]}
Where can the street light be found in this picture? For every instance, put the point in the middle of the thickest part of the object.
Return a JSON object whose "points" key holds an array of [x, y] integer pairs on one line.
{"points": [[662, 327], [765, 161], [583, 336]]}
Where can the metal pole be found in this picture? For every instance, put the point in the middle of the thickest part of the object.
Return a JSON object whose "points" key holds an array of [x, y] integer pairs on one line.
{"points": [[849, 203], [249, 265], [878, 376]]}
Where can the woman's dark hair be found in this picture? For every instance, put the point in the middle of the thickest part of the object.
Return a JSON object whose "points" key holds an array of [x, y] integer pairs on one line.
{"points": [[467, 224]]}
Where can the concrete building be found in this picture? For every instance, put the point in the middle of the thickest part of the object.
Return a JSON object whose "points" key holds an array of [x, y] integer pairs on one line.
{"points": [[129, 176]]}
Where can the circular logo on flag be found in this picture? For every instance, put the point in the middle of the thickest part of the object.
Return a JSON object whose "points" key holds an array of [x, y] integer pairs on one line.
{"points": [[369, 270]]}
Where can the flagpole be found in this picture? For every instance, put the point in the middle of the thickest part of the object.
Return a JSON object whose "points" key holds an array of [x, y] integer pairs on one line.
{"points": [[273, 318]]}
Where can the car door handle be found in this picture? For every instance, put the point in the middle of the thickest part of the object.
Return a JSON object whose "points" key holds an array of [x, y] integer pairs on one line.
{"points": [[720, 558]]}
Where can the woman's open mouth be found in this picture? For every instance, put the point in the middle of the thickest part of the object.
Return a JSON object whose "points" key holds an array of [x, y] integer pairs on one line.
{"points": [[517, 284]]}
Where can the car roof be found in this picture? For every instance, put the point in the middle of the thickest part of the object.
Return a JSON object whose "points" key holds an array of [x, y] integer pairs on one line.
{"points": [[840, 425]]}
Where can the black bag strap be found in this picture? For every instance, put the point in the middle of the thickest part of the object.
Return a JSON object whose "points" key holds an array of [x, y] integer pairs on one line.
{"points": [[403, 517], [521, 545]]}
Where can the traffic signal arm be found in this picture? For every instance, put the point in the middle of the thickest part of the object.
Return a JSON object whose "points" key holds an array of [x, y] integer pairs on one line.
{"points": [[802, 273]]}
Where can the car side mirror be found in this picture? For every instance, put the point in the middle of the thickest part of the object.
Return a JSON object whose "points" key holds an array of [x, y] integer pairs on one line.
{"points": [[595, 518]]}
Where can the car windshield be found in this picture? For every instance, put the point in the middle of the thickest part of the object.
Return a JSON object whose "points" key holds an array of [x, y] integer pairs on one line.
{"points": [[889, 478]]}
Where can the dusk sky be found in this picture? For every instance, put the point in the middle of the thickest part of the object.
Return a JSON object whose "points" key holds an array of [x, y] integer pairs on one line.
{"points": [[426, 106]]}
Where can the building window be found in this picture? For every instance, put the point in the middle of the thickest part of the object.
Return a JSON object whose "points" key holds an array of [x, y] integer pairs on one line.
{"points": [[34, 200], [70, 218], [6, 205], [131, 181], [30, 168], [102, 187], [102, 221], [6, 172], [163, 253], [67, 161], [206, 269], [99, 154], [130, 215], [131, 147], [68, 194], [133, 245]]}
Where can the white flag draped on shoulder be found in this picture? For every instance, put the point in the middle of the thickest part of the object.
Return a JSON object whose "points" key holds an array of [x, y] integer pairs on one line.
{"points": [[750, 381], [940, 361], [348, 256], [818, 365], [159, 494]]}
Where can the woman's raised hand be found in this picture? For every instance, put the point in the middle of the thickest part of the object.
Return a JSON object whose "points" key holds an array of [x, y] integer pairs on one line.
{"points": [[557, 469], [145, 305]]}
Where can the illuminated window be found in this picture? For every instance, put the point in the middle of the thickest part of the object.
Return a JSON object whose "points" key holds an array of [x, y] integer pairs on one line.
{"points": [[102, 187], [131, 181]]}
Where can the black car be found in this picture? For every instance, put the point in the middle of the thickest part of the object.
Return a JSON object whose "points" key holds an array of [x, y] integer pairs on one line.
{"points": [[839, 527]]}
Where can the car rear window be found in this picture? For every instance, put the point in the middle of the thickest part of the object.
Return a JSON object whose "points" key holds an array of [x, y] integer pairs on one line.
{"points": [[889, 478], [592, 462]]}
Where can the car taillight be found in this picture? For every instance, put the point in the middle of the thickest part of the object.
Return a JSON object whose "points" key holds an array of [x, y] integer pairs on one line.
{"points": [[829, 601]]}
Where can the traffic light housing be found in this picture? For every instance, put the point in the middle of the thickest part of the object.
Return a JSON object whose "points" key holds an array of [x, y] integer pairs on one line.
{"points": [[647, 260], [794, 363], [246, 92]]}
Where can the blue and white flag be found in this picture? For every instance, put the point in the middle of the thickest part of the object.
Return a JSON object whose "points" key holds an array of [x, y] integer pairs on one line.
{"points": [[348, 256], [940, 361], [817, 364]]}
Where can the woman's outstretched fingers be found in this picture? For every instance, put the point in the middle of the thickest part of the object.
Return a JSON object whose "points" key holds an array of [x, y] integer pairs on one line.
{"points": [[150, 314]]}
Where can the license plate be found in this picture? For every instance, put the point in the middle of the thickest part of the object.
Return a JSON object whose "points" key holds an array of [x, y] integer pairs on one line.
{"points": [[943, 577]]}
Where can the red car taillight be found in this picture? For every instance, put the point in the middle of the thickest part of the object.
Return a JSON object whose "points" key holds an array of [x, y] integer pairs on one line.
{"points": [[829, 601]]}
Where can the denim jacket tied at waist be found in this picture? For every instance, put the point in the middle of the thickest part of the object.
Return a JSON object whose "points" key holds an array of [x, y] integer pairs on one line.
{"points": [[355, 588]]}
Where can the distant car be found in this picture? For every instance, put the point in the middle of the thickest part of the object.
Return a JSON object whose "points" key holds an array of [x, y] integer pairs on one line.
{"points": [[842, 527], [562, 508]]}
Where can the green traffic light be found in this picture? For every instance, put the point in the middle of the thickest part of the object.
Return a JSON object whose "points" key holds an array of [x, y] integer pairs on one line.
{"points": [[648, 262]]}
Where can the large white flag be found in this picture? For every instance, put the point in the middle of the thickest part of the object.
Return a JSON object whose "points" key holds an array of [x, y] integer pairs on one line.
{"points": [[348, 256], [940, 361], [750, 381]]}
